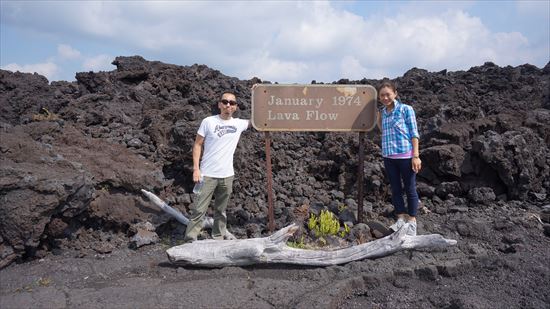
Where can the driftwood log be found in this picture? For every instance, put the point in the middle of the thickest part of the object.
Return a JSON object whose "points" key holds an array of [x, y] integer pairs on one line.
{"points": [[207, 223], [273, 249]]}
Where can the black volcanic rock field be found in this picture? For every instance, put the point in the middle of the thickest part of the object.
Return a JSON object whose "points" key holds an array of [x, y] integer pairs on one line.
{"points": [[75, 155]]}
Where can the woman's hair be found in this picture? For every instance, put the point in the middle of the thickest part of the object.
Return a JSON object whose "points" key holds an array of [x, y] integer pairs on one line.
{"points": [[386, 83]]}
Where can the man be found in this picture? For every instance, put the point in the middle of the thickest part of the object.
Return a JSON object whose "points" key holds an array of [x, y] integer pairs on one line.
{"points": [[219, 135]]}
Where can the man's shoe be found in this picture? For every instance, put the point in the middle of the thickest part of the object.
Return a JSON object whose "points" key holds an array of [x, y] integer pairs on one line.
{"points": [[189, 240], [229, 236], [397, 225]]}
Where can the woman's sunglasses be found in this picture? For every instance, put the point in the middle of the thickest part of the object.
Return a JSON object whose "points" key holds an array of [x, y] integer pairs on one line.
{"points": [[230, 102]]}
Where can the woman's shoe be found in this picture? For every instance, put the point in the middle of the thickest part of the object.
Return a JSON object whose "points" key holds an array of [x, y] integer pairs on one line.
{"points": [[397, 225], [412, 228]]}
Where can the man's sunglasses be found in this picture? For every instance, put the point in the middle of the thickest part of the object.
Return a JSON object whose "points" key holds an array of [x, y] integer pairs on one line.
{"points": [[230, 102]]}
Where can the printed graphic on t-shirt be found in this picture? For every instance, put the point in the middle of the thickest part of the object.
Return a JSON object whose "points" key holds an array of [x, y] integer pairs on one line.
{"points": [[223, 130]]}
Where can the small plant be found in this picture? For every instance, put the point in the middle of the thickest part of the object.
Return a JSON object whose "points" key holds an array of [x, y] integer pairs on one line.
{"points": [[324, 225], [166, 241], [297, 244], [322, 241], [312, 222], [44, 281], [41, 282], [27, 288], [345, 231], [45, 115], [342, 207], [104, 187]]}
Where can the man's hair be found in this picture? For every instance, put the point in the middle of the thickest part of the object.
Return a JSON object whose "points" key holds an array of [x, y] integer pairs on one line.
{"points": [[231, 93]]}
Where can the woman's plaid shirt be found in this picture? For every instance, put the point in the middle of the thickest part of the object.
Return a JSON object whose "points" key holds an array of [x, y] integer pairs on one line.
{"points": [[398, 129]]}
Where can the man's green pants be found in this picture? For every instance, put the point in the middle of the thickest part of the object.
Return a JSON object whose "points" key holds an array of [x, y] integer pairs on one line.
{"points": [[221, 189]]}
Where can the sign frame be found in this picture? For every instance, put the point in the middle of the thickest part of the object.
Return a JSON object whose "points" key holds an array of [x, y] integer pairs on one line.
{"points": [[298, 112]]}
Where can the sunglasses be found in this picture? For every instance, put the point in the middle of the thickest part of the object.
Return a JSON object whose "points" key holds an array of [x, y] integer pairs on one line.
{"points": [[230, 102]]}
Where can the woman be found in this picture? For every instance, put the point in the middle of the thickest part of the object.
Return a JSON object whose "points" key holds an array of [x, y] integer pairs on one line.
{"points": [[401, 155]]}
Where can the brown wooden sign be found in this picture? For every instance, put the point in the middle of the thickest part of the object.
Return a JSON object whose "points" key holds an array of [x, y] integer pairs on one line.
{"points": [[313, 107]]}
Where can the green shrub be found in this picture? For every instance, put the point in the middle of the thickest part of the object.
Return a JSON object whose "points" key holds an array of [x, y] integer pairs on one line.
{"points": [[324, 225]]}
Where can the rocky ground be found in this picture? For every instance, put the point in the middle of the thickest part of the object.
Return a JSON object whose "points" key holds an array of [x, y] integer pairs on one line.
{"points": [[74, 157], [500, 262]]}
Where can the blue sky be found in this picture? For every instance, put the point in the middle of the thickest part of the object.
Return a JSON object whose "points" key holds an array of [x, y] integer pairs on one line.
{"points": [[282, 41]]}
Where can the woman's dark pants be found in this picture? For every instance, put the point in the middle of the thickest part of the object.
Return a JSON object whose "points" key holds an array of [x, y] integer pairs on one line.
{"points": [[400, 170]]}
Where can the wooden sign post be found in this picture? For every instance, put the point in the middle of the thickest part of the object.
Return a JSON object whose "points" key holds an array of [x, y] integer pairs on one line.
{"points": [[343, 108]]}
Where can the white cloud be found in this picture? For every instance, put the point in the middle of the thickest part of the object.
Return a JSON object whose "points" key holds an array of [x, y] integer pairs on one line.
{"points": [[268, 68], [67, 52], [98, 63], [454, 40], [48, 69], [278, 41], [351, 68], [317, 30], [332, 44]]}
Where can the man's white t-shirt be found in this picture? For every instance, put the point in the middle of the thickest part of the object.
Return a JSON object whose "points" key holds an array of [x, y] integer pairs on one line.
{"points": [[220, 141]]}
